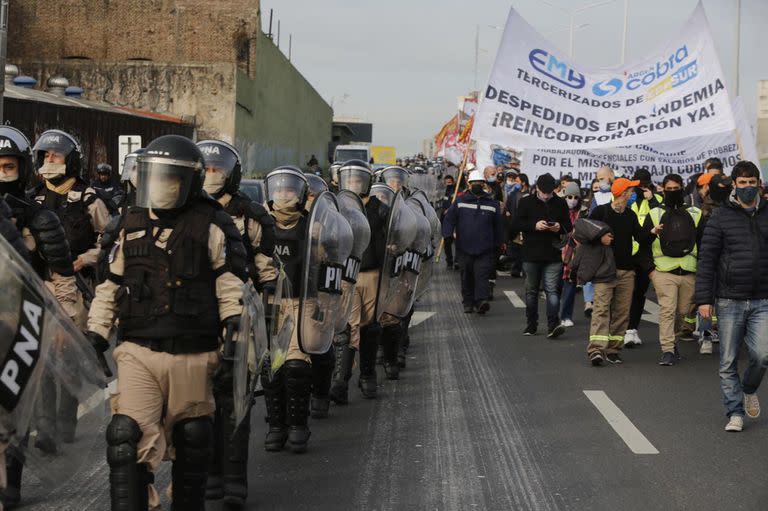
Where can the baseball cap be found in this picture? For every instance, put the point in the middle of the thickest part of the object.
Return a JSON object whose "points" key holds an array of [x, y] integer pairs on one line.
{"points": [[642, 175], [546, 183], [704, 179], [621, 185]]}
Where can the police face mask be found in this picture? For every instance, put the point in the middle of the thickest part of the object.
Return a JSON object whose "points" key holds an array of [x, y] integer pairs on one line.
{"points": [[214, 182], [53, 170], [747, 195], [165, 195]]}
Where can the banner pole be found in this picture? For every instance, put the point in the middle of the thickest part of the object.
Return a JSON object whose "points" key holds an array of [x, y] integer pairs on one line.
{"points": [[455, 193]]}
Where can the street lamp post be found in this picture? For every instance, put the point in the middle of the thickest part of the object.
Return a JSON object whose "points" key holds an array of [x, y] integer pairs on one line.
{"points": [[572, 24]]}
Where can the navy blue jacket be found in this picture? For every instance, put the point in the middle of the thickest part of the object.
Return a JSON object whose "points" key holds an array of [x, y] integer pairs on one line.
{"points": [[476, 220]]}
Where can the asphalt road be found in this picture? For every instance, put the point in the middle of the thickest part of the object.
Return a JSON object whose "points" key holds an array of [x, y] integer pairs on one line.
{"points": [[484, 418]]}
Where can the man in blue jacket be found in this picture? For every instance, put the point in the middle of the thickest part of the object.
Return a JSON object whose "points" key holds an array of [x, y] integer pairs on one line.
{"points": [[731, 279], [474, 220]]}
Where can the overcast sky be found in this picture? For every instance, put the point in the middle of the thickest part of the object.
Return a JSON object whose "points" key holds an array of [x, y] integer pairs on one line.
{"points": [[401, 64]]}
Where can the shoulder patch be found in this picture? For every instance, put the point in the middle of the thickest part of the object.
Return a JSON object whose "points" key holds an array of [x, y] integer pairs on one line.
{"points": [[135, 235]]}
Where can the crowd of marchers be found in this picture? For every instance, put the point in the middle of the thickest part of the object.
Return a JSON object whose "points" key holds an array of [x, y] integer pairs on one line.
{"points": [[699, 246], [165, 266]]}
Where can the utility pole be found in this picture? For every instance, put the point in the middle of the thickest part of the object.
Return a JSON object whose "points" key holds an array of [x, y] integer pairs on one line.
{"points": [[738, 43], [477, 51], [3, 48]]}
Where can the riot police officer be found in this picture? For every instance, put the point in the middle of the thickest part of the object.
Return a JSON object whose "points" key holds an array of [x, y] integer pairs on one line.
{"points": [[106, 188], [228, 476], [397, 178], [287, 395], [175, 283], [334, 171], [365, 331], [317, 185]]}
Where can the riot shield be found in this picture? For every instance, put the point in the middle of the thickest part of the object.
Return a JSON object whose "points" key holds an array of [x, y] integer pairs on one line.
{"points": [[384, 193], [397, 287], [329, 243], [251, 351], [351, 207], [44, 355], [281, 320], [428, 265]]}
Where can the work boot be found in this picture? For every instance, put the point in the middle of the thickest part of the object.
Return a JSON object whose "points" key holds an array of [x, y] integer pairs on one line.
{"points": [[391, 338], [322, 373], [11, 494], [344, 357], [274, 401], [235, 467], [369, 342], [298, 385], [214, 485]]}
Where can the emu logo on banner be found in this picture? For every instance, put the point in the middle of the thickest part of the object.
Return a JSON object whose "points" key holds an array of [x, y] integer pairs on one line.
{"points": [[412, 262], [330, 278], [548, 65], [5, 144], [351, 269], [24, 352]]}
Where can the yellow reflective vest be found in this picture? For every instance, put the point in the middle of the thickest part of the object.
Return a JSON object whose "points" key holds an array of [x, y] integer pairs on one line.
{"points": [[666, 263], [642, 212]]}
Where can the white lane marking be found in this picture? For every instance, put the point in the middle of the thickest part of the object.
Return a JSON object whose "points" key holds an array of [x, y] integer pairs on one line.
{"points": [[651, 312], [516, 300], [420, 317], [620, 423]]}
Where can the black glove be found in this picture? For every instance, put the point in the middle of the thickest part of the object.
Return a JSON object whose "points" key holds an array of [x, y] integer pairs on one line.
{"points": [[269, 287], [100, 346]]}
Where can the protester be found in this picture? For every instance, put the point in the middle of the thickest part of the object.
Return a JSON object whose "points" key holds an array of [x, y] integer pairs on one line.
{"points": [[732, 279], [572, 196], [475, 221], [543, 218], [514, 236], [492, 183], [713, 165], [645, 201], [676, 233], [446, 201], [605, 178]]}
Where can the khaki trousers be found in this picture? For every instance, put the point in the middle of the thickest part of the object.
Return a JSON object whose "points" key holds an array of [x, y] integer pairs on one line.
{"points": [[363, 305], [610, 313], [157, 390], [675, 294]]}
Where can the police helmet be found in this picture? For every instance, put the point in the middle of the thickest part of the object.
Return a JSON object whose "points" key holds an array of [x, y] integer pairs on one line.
{"points": [[384, 193], [62, 143], [224, 158], [170, 173], [317, 184], [14, 143], [285, 184], [356, 176], [396, 177]]}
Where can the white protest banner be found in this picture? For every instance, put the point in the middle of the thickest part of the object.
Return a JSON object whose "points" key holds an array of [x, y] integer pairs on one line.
{"points": [[684, 157], [536, 98]]}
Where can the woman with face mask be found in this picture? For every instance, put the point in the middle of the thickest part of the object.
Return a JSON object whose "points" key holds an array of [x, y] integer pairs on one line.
{"points": [[572, 196]]}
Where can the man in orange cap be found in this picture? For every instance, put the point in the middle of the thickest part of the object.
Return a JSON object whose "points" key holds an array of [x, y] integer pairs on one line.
{"points": [[610, 313]]}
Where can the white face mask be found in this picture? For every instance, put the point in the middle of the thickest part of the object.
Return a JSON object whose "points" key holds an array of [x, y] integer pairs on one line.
{"points": [[572, 203], [9, 178], [214, 182], [53, 170], [165, 196]]}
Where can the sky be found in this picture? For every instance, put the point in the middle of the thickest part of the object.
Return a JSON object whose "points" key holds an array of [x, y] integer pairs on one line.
{"points": [[401, 64]]}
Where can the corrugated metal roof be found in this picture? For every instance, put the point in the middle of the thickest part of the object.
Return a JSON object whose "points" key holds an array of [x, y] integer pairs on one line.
{"points": [[23, 93]]}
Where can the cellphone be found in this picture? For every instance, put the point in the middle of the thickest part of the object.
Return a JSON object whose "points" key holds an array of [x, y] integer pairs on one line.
{"points": [[551, 223]]}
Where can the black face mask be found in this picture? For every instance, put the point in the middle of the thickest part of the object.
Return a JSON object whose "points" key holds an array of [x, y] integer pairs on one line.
{"points": [[720, 194], [673, 199], [477, 189]]}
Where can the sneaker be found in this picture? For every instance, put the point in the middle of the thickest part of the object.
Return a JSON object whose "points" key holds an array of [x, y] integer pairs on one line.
{"points": [[483, 307], [751, 405], [686, 336], [596, 359], [556, 332], [530, 330], [735, 423], [588, 309], [629, 338], [667, 359], [567, 323], [469, 309], [706, 347], [715, 338], [614, 358]]}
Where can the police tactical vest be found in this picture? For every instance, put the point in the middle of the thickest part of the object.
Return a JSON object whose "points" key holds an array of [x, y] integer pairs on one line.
{"points": [[289, 247], [72, 210], [169, 294], [241, 206]]}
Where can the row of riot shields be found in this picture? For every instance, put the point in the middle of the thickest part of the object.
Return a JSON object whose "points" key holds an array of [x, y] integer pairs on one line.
{"points": [[428, 183], [43, 356]]}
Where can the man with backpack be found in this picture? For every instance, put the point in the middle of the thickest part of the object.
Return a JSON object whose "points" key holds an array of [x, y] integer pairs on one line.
{"points": [[676, 231]]}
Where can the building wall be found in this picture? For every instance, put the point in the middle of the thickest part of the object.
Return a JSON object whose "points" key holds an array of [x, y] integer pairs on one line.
{"points": [[202, 94], [174, 31], [280, 119]]}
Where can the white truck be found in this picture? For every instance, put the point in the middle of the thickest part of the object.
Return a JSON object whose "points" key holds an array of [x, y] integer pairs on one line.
{"points": [[352, 152]]}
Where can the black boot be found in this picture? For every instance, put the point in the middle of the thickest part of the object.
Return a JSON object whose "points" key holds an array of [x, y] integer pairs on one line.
{"points": [[45, 417], [390, 340], [298, 384], [67, 416], [235, 467], [369, 343], [193, 440], [128, 481], [274, 400], [214, 487], [11, 495], [344, 357], [322, 373]]}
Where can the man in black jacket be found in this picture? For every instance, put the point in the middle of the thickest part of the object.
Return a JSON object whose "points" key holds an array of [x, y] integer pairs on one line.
{"points": [[731, 277], [542, 218]]}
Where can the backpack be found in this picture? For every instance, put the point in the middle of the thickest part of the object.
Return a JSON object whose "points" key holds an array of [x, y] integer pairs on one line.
{"points": [[678, 238]]}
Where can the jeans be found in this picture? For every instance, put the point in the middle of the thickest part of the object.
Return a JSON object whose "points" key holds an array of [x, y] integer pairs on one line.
{"points": [[741, 321], [551, 274], [567, 299], [642, 283], [589, 292]]}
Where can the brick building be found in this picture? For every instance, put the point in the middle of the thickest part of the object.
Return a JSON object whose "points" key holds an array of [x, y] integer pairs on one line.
{"points": [[206, 61]]}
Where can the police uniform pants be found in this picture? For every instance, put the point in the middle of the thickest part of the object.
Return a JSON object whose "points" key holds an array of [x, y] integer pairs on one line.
{"points": [[675, 294], [363, 305], [157, 390], [610, 313], [294, 351]]}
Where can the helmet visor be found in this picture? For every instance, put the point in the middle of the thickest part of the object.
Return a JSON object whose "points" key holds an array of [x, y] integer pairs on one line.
{"points": [[53, 144], [164, 184], [355, 180], [395, 178], [283, 188], [384, 193], [129, 168], [220, 157]]}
